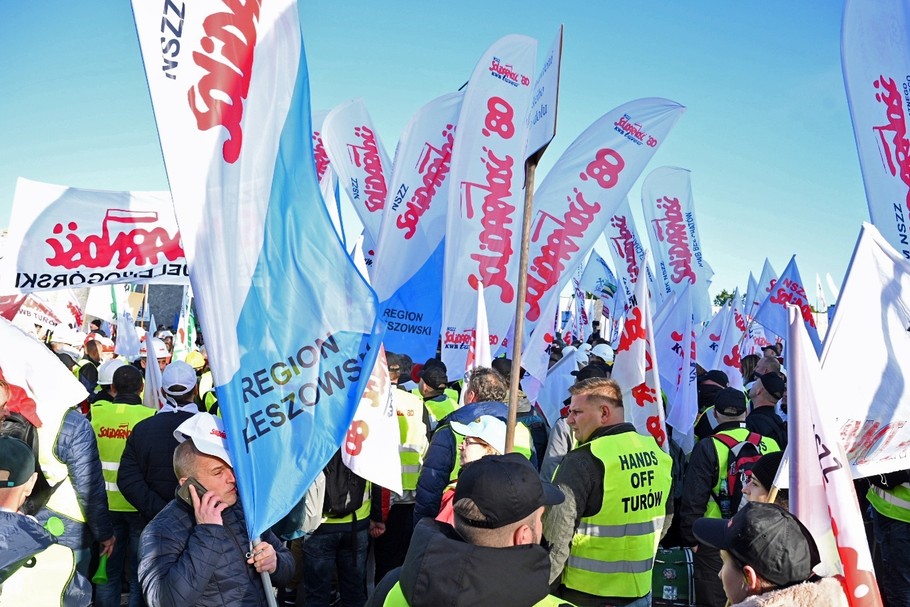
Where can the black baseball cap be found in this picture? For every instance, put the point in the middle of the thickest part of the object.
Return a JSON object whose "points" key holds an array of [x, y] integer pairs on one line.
{"points": [[774, 384], [715, 375], [505, 488], [17, 462], [589, 371], [767, 538], [730, 402], [434, 376]]}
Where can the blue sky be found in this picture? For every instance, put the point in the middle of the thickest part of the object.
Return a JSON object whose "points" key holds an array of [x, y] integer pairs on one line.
{"points": [[767, 133]]}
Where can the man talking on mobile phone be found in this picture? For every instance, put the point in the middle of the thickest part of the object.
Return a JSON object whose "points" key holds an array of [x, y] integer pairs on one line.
{"points": [[196, 550]]}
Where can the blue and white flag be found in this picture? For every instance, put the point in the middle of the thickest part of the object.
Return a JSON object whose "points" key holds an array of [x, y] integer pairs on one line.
{"points": [[772, 313], [598, 279], [290, 325]]}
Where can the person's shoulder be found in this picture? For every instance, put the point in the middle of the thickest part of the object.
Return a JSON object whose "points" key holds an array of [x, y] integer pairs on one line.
{"points": [[171, 519]]}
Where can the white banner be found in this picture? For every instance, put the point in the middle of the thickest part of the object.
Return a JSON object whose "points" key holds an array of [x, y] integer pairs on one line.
{"points": [[360, 160], [635, 370], [676, 355], [873, 411], [626, 251], [328, 179], [588, 183], [728, 357], [486, 196], [598, 278], [370, 448], [415, 221], [63, 237], [544, 103], [669, 211], [875, 53], [707, 347]]}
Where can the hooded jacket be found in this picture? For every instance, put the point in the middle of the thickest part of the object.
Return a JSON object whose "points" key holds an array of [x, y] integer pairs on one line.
{"points": [[827, 591], [442, 570]]}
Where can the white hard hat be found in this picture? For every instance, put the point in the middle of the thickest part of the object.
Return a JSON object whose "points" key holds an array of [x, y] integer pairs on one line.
{"points": [[106, 371], [158, 346], [603, 351]]}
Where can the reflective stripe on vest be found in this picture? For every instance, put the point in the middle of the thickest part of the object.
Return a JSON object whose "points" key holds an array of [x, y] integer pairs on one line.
{"points": [[395, 598], [893, 503], [63, 500], [45, 582], [766, 445], [612, 552], [439, 409], [113, 423], [412, 435]]}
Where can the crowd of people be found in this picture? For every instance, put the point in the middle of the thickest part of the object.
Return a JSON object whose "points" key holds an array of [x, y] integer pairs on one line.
{"points": [[120, 499]]}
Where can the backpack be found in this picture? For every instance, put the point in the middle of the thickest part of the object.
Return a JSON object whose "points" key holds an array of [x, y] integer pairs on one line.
{"points": [[343, 489], [16, 426], [743, 455]]}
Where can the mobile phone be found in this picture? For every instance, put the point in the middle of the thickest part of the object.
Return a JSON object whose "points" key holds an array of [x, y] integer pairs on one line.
{"points": [[184, 491]]}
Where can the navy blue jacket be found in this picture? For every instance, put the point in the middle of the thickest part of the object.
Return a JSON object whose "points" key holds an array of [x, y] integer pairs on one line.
{"points": [[182, 563]]}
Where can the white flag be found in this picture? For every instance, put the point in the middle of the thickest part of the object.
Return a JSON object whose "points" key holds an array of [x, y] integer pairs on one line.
{"points": [[708, 344], [555, 388], [676, 355], [479, 354], [127, 344]]}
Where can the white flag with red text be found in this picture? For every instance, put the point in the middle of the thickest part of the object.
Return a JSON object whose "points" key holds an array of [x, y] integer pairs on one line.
{"points": [[676, 355], [627, 252], [370, 447], [790, 289], [588, 183], [669, 211], [328, 179], [875, 55], [62, 237], [418, 195], [554, 390], [868, 339], [822, 495], [707, 347], [635, 369], [486, 196], [360, 160], [728, 355]]}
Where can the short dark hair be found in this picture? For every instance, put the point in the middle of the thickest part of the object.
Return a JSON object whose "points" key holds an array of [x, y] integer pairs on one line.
{"points": [[127, 380], [185, 459]]}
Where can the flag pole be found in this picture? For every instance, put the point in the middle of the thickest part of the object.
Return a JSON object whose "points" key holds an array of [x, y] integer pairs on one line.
{"points": [[530, 168]]}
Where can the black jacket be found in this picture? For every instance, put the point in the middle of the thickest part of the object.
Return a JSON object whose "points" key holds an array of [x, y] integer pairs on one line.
{"points": [[766, 421], [442, 569], [146, 476]]}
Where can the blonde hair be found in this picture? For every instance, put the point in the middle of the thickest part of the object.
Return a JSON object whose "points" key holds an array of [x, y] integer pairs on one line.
{"points": [[599, 389]]}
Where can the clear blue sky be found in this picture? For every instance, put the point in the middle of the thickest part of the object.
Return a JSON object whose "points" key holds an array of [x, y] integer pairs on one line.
{"points": [[767, 133]]}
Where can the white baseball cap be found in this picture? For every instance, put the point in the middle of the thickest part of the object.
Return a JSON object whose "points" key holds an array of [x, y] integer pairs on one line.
{"points": [[487, 428], [106, 370], [178, 373], [208, 435]]}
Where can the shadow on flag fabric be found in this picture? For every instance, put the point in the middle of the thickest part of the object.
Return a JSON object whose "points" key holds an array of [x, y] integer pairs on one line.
{"points": [[872, 312], [635, 369], [822, 495], [707, 348], [554, 390], [152, 396], [290, 325], [789, 289], [127, 344]]}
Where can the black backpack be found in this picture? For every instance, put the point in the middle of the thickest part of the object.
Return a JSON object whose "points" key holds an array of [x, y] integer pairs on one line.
{"points": [[743, 455], [16, 426], [343, 489]]}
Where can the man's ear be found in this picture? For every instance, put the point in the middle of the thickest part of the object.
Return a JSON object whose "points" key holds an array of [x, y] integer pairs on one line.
{"points": [[182, 480], [753, 581], [30, 484], [523, 535]]}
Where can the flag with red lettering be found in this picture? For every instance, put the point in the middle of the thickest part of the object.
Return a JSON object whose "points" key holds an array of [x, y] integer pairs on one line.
{"points": [[62, 237], [576, 200], [290, 325], [627, 252], [486, 196], [875, 54], [728, 348], [669, 211], [370, 447], [10, 305], [822, 494], [554, 390], [535, 355], [790, 289], [328, 179], [764, 287], [418, 195], [751, 293], [872, 414], [636, 369], [675, 346], [360, 160]]}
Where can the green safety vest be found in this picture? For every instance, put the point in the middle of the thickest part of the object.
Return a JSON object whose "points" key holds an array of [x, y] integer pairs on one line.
{"points": [[893, 503], [113, 424], [439, 409], [210, 402], [766, 445], [362, 513], [412, 444], [395, 598], [43, 583], [612, 552], [522, 444]]}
